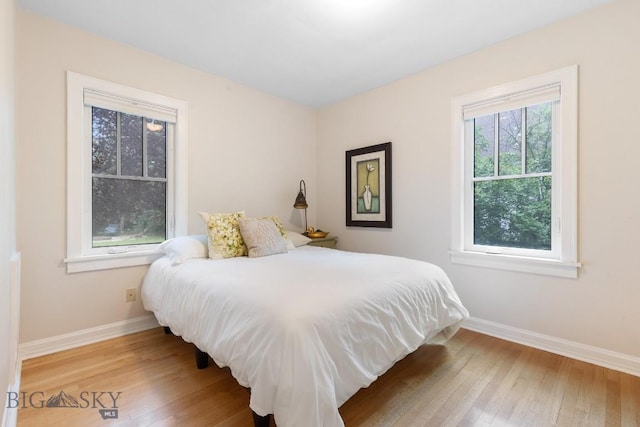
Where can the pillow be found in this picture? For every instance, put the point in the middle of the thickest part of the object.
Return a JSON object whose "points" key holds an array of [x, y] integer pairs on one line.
{"points": [[290, 245], [225, 240], [276, 220], [262, 237], [297, 239], [181, 248]]}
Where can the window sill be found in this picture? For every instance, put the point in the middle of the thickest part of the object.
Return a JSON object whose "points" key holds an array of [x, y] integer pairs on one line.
{"points": [[542, 266], [106, 261]]}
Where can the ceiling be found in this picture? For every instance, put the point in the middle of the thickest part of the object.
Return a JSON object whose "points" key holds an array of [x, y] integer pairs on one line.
{"points": [[313, 52]]}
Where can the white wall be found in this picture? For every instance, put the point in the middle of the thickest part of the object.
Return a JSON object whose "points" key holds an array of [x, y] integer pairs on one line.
{"points": [[600, 308], [247, 150], [7, 193]]}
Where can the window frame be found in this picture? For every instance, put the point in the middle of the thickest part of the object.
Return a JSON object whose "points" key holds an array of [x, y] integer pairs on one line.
{"points": [[81, 256], [561, 260]]}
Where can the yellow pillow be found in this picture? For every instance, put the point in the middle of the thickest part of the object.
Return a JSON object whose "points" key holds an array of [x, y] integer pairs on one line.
{"points": [[224, 238], [276, 220]]}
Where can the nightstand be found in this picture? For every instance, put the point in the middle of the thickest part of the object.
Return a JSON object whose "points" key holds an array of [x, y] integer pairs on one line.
{"points": [[325, 242]]}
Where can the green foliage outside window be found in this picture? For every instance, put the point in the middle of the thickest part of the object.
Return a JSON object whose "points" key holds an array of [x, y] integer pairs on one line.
{"points": [[512, 192], [129, 188]]}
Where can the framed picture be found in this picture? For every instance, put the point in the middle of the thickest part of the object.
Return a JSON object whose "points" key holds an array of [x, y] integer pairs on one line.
{"points": [[368, 191]]}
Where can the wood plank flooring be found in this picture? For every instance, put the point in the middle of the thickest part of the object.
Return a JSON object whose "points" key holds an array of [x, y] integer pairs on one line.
{"points": [[475, 380]]}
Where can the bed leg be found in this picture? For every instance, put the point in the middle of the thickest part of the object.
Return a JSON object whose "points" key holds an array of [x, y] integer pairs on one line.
{"points": [[167, 330], [260, 421], [202, 358]]}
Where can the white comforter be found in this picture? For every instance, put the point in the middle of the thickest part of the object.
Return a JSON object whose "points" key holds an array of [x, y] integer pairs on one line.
{"points": [[307, 329]]}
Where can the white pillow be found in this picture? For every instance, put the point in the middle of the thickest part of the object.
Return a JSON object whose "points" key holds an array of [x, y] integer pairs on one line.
{"points": [[262, 237], [179, 249], [297, 239]]}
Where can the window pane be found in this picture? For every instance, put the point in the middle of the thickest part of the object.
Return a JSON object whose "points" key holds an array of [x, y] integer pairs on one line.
{"points": [[510, 134], [539, 138], [484, 146], [131, 134], [513, 213], [128, 212], [156, 148], [103, 141]]}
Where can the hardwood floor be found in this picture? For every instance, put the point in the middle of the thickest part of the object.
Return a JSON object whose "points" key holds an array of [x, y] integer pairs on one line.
{"points": [[475, 380]]}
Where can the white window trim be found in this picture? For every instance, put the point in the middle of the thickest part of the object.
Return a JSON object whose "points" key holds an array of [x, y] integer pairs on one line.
{"points": [[79, 177], [565, 262]]}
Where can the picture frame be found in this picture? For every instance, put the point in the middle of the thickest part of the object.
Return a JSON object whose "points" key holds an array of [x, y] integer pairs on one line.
{"points": [[368, 186]]}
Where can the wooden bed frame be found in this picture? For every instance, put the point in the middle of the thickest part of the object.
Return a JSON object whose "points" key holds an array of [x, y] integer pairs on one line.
{"points": [[202, 362]]}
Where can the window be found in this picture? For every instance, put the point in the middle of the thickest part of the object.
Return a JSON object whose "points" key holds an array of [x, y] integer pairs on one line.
{"points": [[515, 176], [126, 174]]}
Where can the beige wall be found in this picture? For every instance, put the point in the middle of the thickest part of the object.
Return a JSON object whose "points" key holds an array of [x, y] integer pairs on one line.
{"points": [[7, 197], [7, 191], [247, 150], [601, 307]]}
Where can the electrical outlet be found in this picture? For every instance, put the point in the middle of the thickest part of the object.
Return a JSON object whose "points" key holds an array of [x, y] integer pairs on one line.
{"points": [[131, 295]]}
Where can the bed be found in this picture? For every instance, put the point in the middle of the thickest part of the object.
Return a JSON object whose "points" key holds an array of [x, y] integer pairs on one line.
{"points": [[306, 329]]}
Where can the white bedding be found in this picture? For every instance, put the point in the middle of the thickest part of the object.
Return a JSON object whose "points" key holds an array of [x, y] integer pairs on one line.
{"points": [[307, 329]]}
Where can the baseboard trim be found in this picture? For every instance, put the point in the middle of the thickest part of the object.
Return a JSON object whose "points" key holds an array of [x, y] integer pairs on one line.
{"points": [[586, 353], [57, 343], [590, 354]]}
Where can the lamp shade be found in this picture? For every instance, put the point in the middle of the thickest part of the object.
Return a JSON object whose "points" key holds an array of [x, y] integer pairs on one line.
{"points": [[301, 200]]}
